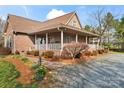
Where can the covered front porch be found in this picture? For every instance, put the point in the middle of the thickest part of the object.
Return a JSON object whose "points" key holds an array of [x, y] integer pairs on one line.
{"points": [[54, 39]]}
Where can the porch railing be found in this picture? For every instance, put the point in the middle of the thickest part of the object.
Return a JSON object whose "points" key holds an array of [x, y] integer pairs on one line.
{"points": [[57, 46], [54, 46]]}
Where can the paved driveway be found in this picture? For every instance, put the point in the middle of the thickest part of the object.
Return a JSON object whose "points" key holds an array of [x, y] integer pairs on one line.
{"points": [[106, 71]]}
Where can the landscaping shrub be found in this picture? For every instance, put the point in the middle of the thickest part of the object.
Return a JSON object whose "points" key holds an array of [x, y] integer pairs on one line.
{"points": [[5, 51], [73, 49], [88, 53], [33, 52], [17, 52], [106, 50], [78, 55], [65, 55], [34, 66], [40, 73], [36, 53], [101, 51], [48, 54], [94, 53], [28, 52]]}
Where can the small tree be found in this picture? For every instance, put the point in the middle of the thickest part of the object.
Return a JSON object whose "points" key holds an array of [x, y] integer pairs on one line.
{"points": [[73, 49]]}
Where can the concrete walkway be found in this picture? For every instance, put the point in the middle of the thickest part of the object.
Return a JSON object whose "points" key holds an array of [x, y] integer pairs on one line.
{"points": [[106, 71]]}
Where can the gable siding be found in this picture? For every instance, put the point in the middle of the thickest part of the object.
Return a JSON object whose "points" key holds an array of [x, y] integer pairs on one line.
{"points": [[77, 24]]}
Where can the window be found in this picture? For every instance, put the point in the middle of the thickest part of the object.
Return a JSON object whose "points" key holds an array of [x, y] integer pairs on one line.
{"points": [[68, 39], [9, 42], [74, 23]]}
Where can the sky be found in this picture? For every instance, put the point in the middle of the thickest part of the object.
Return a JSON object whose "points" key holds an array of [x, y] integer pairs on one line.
{"points": [[45, 12]]}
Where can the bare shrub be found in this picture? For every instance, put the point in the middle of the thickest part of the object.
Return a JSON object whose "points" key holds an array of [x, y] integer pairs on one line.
{"points": [[74, 49]]}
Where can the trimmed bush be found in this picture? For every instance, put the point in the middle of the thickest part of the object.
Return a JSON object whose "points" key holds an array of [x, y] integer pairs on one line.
{"points": [[28, 53], [88, 53], [106, 50], [48, 54], [34, 52], [5, 51], [40, 73], [17, 52], [101, 51], [94, 53]]}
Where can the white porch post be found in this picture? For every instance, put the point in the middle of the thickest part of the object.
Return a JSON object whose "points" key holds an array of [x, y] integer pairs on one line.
{"points": [[86, 40], [93, 41], [61, 40], [35, 41], [76, 38], [5, 40], [14, 49], [46, 41]]}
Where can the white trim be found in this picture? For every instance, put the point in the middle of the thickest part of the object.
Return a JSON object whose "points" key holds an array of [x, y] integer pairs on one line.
{"points": [[86, 40], [35, 41], [61, 40], [4, 41], [14, 48], [77, 19], [70, 18], [46, 41], [76, 38]]}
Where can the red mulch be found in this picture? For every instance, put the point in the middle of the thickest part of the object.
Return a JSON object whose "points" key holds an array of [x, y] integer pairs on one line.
{"points": [[26, 72]]}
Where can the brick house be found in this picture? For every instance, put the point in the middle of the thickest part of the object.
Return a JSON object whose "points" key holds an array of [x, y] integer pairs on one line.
{"points": [[24, 34]]}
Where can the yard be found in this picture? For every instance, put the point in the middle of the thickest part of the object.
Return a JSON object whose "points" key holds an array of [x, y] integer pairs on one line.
{"points": [[105, 70], [8, 75], [17, 71]]}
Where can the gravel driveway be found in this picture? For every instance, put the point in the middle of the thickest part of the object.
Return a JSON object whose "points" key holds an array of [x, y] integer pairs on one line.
{"points": [[104, 72]]}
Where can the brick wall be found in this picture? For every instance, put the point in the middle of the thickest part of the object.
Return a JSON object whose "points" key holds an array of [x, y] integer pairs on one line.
{"points": [[23, 42]]}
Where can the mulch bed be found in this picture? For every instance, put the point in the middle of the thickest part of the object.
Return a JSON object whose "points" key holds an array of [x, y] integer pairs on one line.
{"points": [[26, 73]]}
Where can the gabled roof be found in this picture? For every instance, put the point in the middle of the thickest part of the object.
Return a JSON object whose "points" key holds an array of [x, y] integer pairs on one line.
{"points": [[21, 24], [25, 25]]}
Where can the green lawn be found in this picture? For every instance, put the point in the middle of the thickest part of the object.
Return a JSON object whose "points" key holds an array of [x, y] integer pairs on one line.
{"points": [[118, 52], [8, 75]]}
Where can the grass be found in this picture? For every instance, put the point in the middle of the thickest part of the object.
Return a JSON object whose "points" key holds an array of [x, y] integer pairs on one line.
{"points": [[118, 52], [23, 58], [8, 75], [2, 56]]}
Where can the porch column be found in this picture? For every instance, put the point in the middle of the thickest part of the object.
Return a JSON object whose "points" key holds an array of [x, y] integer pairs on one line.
{"points": [[93, 40], [86, 40], [61, 40], [5, 41], [14, 49], [76, 38], [35, 41], [46, 41]]}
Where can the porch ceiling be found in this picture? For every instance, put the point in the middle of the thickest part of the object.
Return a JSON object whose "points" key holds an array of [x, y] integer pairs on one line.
{"points": [[69, 29]]}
